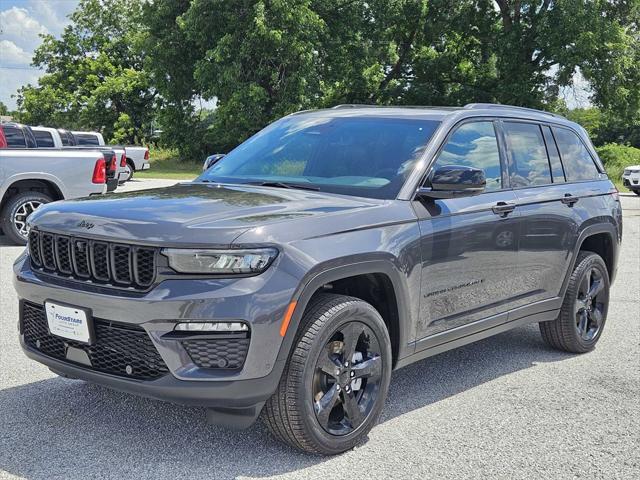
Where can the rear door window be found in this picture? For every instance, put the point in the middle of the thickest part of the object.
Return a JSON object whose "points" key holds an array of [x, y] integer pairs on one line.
{"points": [[15, 137], [557, 171], [528, 162], [576, 159], [44, 139]]}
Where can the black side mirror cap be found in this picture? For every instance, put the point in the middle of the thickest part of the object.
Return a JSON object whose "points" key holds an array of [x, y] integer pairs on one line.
{"points": [[453, 181]]}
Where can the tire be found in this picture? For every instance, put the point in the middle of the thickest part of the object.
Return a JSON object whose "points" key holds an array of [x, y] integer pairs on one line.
{"points": [[11, 218], [637, 192], [293, 413], [584, 309], [132, 169]]}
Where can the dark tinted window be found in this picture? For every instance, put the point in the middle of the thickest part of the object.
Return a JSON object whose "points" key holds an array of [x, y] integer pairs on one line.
{"points": [[474, 145], [528, 162], [365, 156], [43, 138], [578, 164], [86, 139], [66, 137], [557, 172], [14, 137]]}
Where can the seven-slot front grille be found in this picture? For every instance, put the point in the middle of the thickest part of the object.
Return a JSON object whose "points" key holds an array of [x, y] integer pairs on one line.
{"points": [[109, 263], [123, 350]]}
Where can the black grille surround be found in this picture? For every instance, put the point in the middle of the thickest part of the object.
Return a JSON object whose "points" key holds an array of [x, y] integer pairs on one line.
{"points": [[223, 354], [112, 264], [118, 349]]}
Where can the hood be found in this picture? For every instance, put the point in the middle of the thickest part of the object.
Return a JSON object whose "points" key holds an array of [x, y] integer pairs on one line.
{"points": [[189, 213]]}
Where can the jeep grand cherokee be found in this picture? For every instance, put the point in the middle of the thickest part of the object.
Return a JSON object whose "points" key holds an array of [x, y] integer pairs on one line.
{"points": [[329, 249]]}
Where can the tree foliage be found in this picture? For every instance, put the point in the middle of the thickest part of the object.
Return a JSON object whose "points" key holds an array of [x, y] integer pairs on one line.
{"points": [[95, 77], [262, 59]]}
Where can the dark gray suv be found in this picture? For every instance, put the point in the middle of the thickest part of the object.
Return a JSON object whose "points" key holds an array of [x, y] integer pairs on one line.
{"points": [[330, 248]]}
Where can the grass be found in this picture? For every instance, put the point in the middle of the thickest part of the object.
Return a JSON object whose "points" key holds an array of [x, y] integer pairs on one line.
{"points": [[164, 164], [616, 157]]}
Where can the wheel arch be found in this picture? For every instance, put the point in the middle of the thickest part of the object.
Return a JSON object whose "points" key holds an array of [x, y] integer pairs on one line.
{"points": [[362, 280], [600, 239], [44, 185]]}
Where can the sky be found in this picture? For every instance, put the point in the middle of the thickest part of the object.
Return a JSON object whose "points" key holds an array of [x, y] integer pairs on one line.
{"points": [[22, 21]]}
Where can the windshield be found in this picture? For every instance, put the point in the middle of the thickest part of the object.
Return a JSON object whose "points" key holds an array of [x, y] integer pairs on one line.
{"points": [[362, 156]]}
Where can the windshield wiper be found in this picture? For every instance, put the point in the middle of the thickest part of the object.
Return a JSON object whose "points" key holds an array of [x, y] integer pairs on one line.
{"points": [[286, 185]]}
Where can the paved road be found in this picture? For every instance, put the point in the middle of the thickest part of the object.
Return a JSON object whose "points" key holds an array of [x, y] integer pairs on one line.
{"points": [[505, 407]]}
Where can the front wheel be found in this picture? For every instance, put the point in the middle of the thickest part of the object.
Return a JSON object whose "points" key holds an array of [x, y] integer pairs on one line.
{"points": [[334, 386], [15, 213], [584, 309]]}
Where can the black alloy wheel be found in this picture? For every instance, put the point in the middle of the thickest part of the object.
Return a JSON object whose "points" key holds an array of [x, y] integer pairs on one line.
{"points": [[590, 304], [584, 309], [347, 378], [334, 385]]}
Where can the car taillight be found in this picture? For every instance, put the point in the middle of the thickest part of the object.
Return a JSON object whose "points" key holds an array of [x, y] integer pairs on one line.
{"points": [[113, 164], [100, 172], [146, 154], [123, 160], [3, 140]]}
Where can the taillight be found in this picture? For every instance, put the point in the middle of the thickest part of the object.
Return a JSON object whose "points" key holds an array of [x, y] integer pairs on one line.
{"points": [[3, 140], [100, 172], [113, 164], [123, 160], [146, 154]]}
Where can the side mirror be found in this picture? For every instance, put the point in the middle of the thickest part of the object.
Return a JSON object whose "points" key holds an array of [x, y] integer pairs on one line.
{"points": [[211, 160], [452, 181]]}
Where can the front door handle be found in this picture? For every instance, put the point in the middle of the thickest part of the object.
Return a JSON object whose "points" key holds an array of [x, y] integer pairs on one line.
{"points": [[503, 208], [569, 199]]}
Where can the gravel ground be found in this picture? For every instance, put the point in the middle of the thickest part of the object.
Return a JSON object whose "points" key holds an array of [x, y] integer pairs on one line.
{"points": [[506, 407]]}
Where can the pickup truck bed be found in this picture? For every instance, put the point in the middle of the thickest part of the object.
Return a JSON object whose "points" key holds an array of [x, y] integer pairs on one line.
{"points": [[32, 177]]}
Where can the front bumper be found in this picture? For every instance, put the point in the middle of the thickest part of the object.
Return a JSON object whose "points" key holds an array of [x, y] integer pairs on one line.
{"points": [[631, 181], [259, 301], [225, 394]]}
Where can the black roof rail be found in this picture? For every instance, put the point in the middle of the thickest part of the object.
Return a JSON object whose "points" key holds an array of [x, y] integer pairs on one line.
{"points": [[474, 106], [417, 107], [354, 105]]}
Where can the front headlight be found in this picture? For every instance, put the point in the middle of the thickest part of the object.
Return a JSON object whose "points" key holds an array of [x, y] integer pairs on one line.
{"points": [[627, 171], [220, 261]]}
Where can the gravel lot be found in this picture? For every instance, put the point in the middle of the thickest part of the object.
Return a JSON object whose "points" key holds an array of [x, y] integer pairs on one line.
{"points": [[505, 407]]}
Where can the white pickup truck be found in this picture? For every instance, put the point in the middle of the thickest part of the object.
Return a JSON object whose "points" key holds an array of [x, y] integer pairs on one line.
{"points": [[137, 158], [57, 138], [30, 177]]}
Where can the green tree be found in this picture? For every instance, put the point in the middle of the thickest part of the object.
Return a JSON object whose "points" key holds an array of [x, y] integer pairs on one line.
{"points": [[4, 110], [95, 77]]}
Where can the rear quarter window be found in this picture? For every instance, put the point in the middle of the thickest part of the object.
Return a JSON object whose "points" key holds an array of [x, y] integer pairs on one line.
{"points": [[576, 159]]}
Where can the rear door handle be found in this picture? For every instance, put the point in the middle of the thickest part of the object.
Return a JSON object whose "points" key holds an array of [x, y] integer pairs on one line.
{"points": [[569, 199], [503, 208]]}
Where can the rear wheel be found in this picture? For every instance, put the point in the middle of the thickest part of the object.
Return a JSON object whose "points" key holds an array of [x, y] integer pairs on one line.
{"points": [[16, 211], [584, 309], [333, 388], [128, 172]]}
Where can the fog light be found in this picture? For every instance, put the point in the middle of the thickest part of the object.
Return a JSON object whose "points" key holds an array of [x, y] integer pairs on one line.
{"points": [[212, 327]]}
